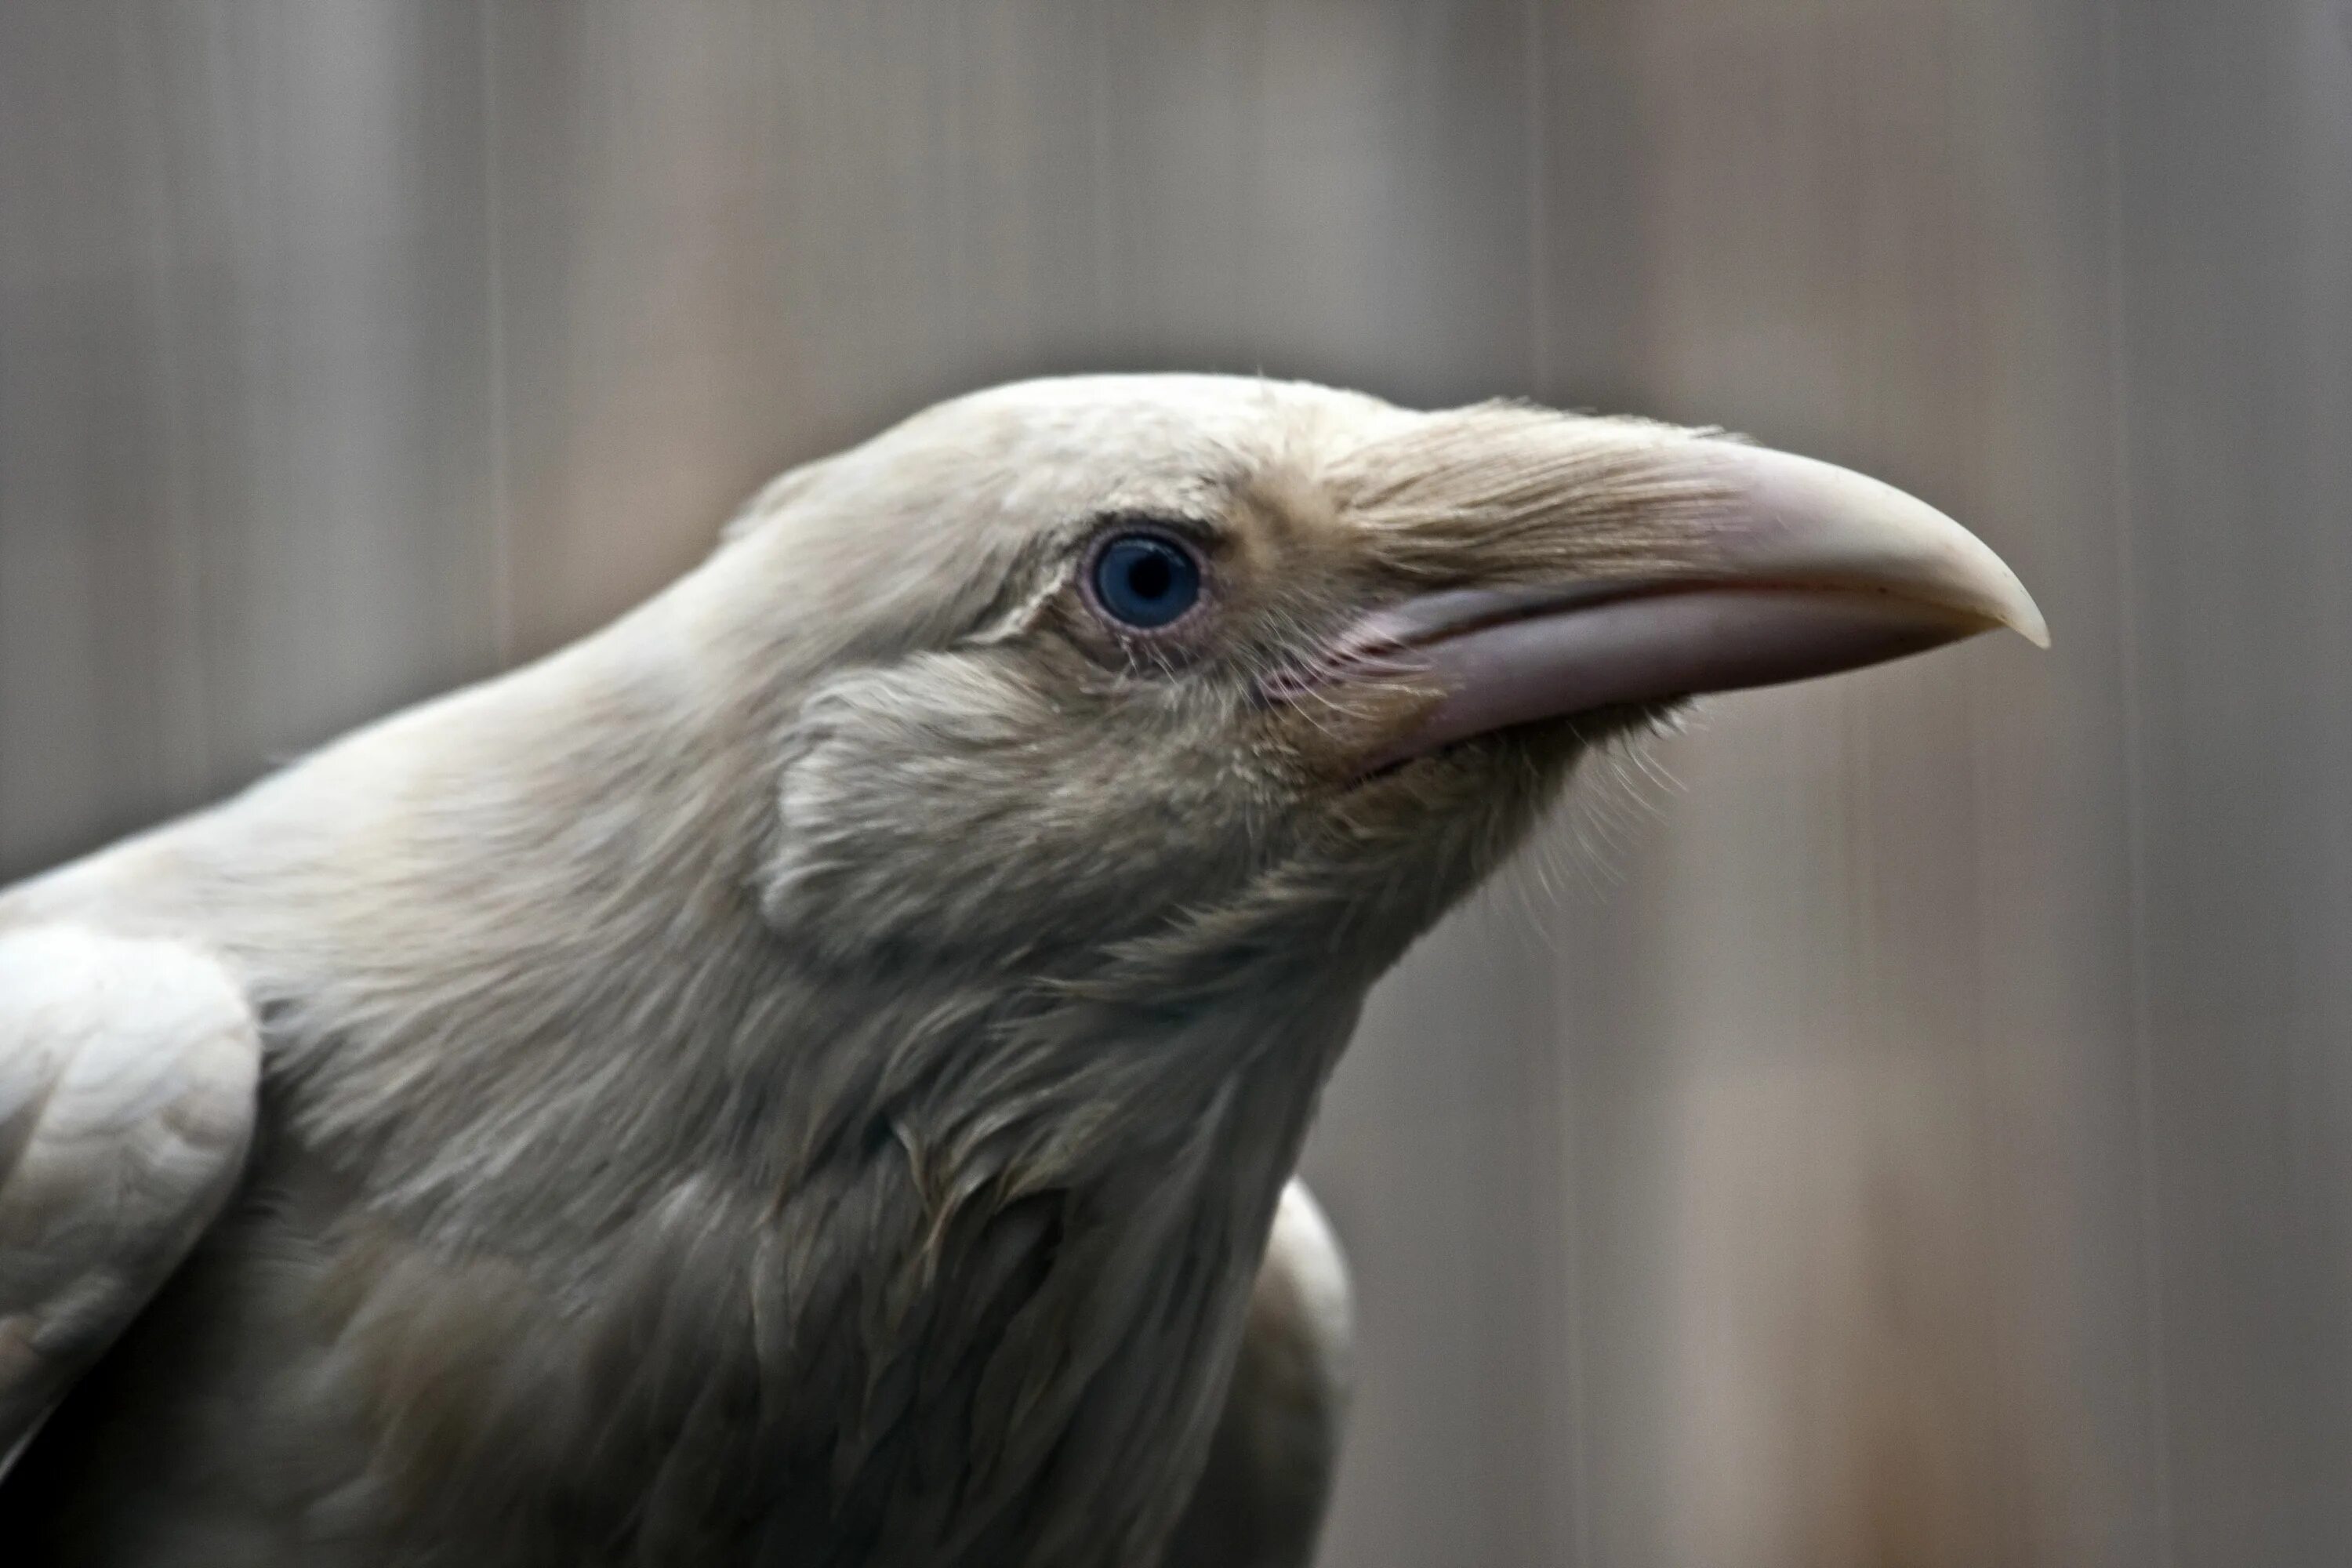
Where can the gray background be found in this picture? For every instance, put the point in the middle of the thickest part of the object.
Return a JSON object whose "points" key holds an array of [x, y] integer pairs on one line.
{"points": [[1904, 1123]]}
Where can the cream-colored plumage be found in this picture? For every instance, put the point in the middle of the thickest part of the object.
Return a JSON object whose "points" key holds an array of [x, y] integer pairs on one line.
{"points": [[1261, 1495], [808, 1074], [127, 1077]]}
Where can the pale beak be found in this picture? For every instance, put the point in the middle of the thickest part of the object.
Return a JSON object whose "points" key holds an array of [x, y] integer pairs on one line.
{"points": [[1800, 569]]}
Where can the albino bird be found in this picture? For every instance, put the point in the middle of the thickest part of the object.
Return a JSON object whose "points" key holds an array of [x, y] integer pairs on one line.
{"points": [[808, 1075]]}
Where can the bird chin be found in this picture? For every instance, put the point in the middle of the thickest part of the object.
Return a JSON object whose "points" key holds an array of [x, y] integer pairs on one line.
{"points": [[1452, 808], [1544, 751]]}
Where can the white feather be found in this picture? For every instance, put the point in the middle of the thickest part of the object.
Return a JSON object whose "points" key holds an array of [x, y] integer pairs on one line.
{"points": [[127, 1077]]}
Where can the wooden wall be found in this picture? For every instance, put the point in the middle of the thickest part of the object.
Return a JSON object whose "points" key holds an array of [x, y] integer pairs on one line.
{"points": [[1906, 1120]]}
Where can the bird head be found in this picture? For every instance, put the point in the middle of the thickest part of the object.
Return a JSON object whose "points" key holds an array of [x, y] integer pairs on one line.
{"points": [[1202, 673]]}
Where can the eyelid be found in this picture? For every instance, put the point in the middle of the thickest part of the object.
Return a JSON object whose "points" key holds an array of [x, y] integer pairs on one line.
{"points": [[1204, 537]]}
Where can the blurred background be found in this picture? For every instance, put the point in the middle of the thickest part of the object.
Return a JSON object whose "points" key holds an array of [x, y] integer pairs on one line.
{"points": [[1907, 1122]]}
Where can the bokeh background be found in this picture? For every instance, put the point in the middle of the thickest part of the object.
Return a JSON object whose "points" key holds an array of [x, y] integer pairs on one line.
{"points": [[1906, 1120]]}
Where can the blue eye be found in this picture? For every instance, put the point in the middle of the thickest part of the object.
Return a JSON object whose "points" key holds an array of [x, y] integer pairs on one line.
{"points": [[1145, 580]]}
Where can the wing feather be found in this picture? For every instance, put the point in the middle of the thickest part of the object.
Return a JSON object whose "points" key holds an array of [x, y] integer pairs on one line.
{"points": [[128, 1071], [1261, 1501]]}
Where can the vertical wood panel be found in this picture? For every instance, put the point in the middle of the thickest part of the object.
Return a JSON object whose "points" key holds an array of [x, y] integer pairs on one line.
{"points": [[2237, 230], [243, 444], [1849, 1312]]}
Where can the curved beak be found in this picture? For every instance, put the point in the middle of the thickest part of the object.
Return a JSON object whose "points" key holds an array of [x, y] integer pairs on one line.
{"points": [[1798, 568]]}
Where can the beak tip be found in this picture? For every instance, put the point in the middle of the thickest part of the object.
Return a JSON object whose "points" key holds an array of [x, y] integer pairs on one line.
{"points": [[2020, 613], [1860, 525]]}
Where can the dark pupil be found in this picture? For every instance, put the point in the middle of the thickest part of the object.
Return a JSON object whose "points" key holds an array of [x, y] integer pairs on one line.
{"points": [[1144, 581], [1149, 576]]}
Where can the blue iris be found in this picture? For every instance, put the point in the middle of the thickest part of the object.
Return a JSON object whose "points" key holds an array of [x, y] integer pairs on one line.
{"points": [[1145, 580]]}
